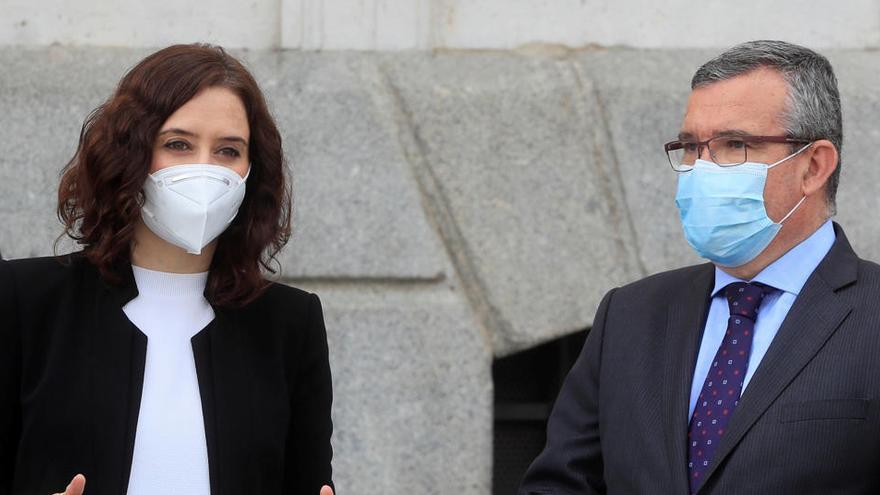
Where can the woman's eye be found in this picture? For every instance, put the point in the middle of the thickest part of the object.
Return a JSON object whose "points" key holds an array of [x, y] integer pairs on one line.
{"points": [[232, 152], [177, 145]]}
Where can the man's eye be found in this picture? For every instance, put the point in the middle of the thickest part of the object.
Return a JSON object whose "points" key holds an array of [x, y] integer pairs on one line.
{"points": [[735, 144], [177, 145], [689, 147]]}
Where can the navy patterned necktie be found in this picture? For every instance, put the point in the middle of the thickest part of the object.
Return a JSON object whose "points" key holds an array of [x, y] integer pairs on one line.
{"points": [[724, 382]]}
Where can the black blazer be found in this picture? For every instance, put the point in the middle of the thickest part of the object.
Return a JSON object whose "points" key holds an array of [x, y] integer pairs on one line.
{"points": [[808, 423], [72, 369]]}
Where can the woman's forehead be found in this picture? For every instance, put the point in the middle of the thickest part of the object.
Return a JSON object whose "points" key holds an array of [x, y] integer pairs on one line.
{"points": [[212, 112]]}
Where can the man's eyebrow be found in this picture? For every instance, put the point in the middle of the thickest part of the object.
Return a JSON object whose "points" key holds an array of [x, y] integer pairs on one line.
{"points": [[733, 133], [687, 136]]}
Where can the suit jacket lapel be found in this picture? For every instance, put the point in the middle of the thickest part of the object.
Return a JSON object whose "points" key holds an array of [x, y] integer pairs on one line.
{"points": [[685, 321], [817, 312]]}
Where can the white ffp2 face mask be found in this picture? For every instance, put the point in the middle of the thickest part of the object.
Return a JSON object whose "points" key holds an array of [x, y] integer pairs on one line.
{"points": [[191, 205]]}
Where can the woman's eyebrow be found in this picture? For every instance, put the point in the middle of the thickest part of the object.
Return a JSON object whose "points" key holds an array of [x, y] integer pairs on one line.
{"points": [[177, 130], [235, 139], [184, 132]]}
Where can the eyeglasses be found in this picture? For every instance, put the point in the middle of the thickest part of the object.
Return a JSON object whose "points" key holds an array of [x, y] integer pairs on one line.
{"points": [[725, 151]]}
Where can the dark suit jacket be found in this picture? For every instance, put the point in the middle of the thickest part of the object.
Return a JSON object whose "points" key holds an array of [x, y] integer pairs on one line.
{"points": [[72, 369], [808, 422]]}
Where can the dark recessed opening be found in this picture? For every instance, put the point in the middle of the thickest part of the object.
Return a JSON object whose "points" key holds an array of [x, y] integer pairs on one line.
{"points": [[526, 385]]}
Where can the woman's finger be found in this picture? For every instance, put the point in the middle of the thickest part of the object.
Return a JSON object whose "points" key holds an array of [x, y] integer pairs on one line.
{"points": [[326, 490], [76, 486]]}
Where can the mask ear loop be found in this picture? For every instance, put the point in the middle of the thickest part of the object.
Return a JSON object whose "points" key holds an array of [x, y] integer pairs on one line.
{"points": [[793, 210], [790, 156], [803, 198]]}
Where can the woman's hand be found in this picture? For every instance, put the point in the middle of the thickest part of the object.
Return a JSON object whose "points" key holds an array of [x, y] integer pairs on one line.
{"points": [[78, 484]]}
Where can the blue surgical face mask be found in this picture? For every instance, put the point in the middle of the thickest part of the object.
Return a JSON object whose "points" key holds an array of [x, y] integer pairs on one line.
{"points": [[723, 213]]}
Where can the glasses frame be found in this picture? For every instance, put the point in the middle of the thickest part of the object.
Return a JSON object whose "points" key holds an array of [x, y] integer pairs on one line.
{"points": [[670, 146]]}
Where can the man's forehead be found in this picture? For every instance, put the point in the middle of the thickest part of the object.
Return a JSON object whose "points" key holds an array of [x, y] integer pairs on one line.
{"points": [[752, 103], [768, 79]]}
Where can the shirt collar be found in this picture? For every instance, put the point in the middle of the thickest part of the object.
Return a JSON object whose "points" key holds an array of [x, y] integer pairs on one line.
{"points": [[790, 272]]}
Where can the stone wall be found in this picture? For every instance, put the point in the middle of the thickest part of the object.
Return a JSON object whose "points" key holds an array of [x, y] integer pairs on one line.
{"points": [[438, 24], [450, 208]]}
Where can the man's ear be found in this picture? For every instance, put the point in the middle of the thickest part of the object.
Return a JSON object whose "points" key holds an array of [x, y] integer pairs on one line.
{"points": [[823, 162]]}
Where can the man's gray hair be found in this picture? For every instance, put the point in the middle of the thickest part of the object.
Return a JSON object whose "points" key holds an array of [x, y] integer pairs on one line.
{"points": [[813, 103]]}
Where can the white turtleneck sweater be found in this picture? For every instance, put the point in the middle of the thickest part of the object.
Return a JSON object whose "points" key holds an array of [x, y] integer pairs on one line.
{"points": [[170, 452]]}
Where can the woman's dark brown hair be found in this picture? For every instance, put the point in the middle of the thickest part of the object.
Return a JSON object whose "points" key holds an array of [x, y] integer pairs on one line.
{"points": [[99, 200]]}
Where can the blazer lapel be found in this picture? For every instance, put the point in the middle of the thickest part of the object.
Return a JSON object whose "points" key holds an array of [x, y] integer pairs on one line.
{"points": [[685, 321], [817, 312], [202, 354], [117, 357], [223, 372]]}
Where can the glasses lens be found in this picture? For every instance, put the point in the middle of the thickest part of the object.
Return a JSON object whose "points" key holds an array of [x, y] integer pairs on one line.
{"points": [[682, 155], [728, 150]]}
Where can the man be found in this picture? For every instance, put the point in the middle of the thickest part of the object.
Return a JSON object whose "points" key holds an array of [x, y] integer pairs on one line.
{"points": [[757, 373]]}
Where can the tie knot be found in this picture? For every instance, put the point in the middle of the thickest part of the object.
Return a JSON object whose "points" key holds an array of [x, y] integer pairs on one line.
{"points": [[744, 298]]}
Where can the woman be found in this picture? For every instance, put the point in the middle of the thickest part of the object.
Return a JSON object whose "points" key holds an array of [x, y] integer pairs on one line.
{"points": [[158, 359]]}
